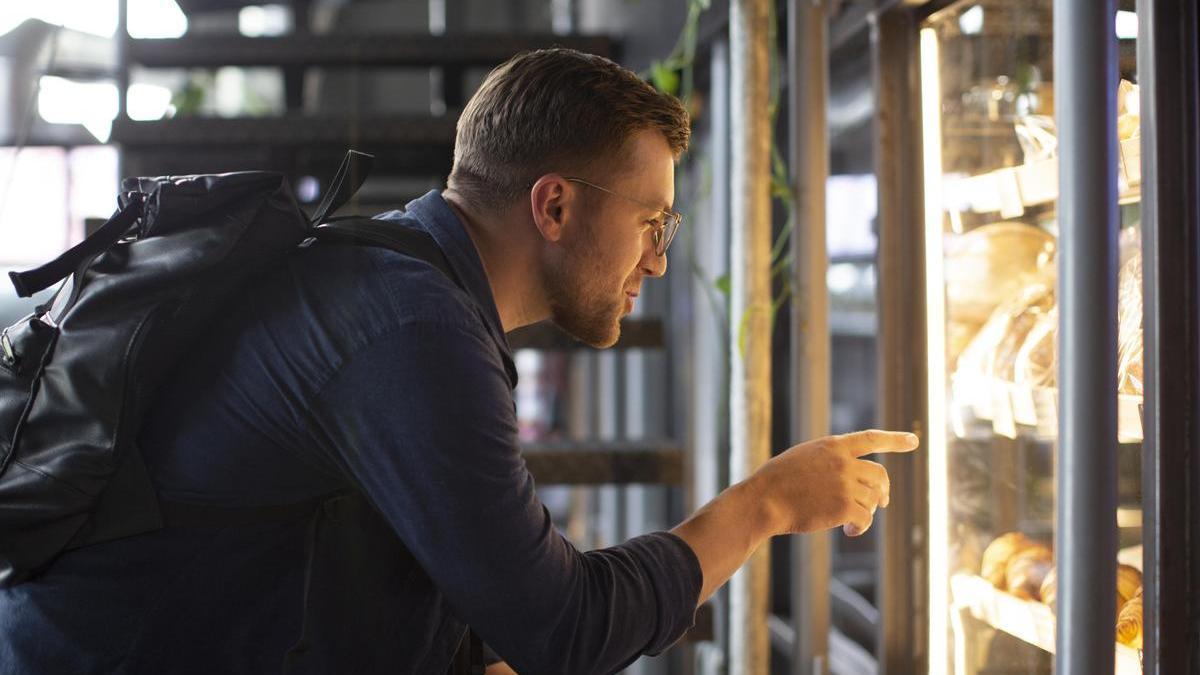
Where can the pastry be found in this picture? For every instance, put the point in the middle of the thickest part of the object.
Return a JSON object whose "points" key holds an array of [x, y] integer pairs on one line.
{"points": [[996, 555], [1129, 623], [1049, 590], [1129, 582], [1027, 569]]}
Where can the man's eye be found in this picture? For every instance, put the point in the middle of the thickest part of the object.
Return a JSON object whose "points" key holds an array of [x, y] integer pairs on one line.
{"points": [[653, 222]]}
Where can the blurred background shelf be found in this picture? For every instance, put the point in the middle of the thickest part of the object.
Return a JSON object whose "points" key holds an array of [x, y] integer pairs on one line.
{"points": [[362, 50]]}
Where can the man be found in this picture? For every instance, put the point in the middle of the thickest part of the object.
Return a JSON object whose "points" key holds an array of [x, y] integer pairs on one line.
{"points": [[381, 388]]}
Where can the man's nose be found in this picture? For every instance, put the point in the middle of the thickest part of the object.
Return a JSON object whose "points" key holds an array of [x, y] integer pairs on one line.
{"points": [[653, 264]]}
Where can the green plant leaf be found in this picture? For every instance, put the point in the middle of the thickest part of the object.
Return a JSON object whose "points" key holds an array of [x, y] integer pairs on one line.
{"points": [[723, 284], [665, 78]]}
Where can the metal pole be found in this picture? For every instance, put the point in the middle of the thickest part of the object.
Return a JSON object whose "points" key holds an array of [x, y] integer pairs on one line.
{"points": [[122, 44], [708, 388], [808, 95], [750, 321], [1085, 66], [901, 343]]}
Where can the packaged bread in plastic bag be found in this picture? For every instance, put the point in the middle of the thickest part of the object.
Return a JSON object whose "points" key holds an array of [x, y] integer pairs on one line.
{"points": [[1037, 137], [993, 352], [1129, 119], [1034, 303], [1037, 359], [1038, 134], [1129, 326]]}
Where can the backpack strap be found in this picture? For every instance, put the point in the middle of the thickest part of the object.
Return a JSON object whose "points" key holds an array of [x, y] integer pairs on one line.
{"points": [[469, 657], [407, 240], [32, 281], [350, 176]]}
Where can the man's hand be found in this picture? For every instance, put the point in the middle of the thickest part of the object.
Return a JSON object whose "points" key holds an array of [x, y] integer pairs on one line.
{"points": [[826, 482], [812, 486]]}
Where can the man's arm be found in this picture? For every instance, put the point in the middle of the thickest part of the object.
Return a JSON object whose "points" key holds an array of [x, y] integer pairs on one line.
{"points": [[813, 486]]}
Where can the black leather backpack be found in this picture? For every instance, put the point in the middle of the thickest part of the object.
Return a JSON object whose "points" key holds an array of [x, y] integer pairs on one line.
{"points": [[77, 374]]}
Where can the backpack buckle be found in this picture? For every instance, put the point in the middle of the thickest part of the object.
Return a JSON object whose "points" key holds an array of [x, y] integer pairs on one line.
{"points": [[7, 356]]}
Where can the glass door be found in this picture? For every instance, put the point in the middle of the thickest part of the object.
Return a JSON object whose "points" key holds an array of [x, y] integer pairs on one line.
{"points": [[990, 179]]}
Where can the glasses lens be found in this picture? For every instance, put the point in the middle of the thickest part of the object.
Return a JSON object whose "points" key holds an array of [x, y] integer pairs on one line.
{"points": [[670, 227]]}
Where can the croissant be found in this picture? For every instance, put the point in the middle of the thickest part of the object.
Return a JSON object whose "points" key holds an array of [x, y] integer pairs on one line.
{"points": [[1129, 584], [1027, 569], [1129, 580], [997, 554], [1049, 590], [1129, 623]]}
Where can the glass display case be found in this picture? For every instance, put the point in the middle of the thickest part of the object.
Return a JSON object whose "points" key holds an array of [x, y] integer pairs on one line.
{"points": [[991, 265]]}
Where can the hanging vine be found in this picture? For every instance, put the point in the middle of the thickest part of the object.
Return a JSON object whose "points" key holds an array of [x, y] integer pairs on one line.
{"points": [[674, 75]]}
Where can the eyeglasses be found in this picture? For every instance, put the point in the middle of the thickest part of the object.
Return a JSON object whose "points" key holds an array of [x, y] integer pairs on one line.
{"points": [[663, 233]]}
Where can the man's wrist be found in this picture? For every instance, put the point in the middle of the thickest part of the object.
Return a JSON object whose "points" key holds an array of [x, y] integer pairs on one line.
{"points": [[762, 519]]}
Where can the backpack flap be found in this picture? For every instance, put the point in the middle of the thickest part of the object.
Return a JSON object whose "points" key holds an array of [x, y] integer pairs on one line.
{"points": [[84, 372]]}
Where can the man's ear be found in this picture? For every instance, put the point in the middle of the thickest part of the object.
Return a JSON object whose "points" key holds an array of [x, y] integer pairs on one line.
{"points": [[548, 201]]}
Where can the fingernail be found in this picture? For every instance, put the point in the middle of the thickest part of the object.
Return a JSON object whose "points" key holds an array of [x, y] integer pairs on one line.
{"points": [[912, 438]]}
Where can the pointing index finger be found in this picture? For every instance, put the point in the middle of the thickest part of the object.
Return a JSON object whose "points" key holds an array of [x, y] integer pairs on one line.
{"points": [[862, 443]]}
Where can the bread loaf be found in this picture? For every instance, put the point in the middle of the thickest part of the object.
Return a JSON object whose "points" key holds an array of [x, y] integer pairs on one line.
{"points": [[1027, 569], [989, 265], [1129, 582], [996, 555]]}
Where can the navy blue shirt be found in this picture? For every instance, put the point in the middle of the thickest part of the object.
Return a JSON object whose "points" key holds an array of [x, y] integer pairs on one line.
{"points": [[373, 381]]}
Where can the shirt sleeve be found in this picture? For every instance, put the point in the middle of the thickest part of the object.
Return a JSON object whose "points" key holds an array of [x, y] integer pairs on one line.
{"points": [[423, 420]]}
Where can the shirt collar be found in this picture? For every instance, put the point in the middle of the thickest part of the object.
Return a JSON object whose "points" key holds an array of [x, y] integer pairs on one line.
{"points": [[441, 222]]}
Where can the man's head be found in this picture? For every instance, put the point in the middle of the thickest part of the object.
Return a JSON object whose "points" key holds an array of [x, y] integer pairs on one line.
{"points": [[585, 150]]}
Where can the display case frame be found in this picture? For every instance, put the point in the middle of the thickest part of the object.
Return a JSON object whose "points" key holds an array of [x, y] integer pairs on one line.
{"points": [[1170, 176]]}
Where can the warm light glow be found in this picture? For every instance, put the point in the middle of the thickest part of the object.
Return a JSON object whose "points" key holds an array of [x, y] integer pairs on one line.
{"points": [[935, 312]]}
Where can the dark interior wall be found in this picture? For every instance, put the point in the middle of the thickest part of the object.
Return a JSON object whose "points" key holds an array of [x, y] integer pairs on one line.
{"points": [[648, 29]]}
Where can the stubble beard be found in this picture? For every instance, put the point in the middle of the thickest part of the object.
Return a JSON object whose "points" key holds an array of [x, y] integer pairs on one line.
{"points": [[585, 313]]}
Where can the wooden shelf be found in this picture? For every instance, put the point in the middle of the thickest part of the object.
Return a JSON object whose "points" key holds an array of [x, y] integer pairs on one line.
{"points": [[1010, 190], [1029, 621], [1009, 406]]}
